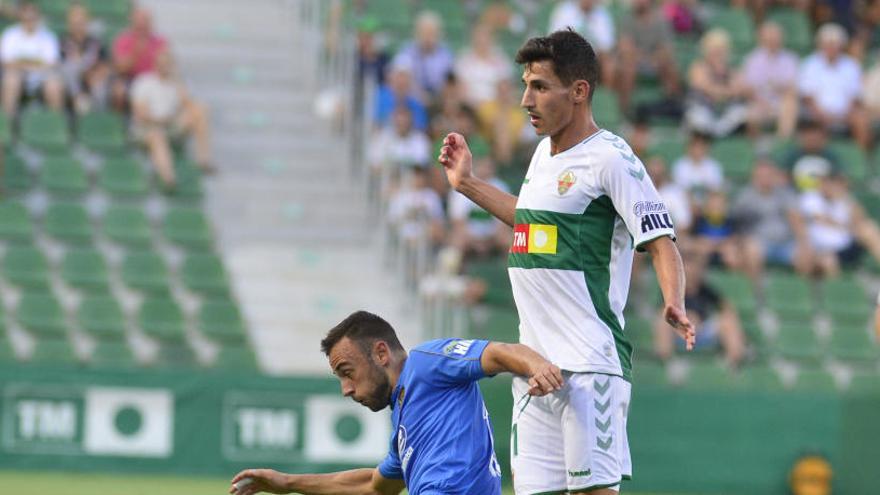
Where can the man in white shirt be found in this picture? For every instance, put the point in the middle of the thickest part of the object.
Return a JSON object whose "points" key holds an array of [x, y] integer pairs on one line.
{"points": [[831, 85], [770, 72], [591, 19], [696, 171], [30, 54]]}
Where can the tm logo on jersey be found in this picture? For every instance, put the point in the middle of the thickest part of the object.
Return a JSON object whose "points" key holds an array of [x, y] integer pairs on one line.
{"points": [[534, 238]]}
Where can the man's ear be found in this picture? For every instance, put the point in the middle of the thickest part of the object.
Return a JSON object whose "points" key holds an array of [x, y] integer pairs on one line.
{"points": [[381, 353], [580, 91]]}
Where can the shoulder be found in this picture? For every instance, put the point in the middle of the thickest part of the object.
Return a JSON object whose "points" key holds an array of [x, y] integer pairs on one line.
{"points": [[13, 31], [453, 347]]}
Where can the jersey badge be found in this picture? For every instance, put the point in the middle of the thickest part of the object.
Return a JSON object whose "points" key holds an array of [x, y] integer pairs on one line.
{"points": [[565, 181]]}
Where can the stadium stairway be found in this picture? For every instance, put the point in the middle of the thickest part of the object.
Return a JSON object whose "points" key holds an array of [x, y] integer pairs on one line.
{"points": [[292, 226]]}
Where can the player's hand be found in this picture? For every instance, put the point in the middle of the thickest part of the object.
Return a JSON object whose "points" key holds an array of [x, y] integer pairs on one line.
{"points": [[261, 480], [546, 378], [456, 158], [677, 318]]}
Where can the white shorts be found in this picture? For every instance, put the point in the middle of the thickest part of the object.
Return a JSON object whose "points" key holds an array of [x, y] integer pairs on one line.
{"points": [[573, 439]]}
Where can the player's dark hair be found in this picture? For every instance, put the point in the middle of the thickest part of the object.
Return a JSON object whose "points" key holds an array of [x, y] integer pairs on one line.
{"points": [[572, 56], [364, 329]]}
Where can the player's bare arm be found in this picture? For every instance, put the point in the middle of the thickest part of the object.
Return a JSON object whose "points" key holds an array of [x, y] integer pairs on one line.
{"points": [[544, 376], [670, 276], [354, 482], [456, 158]]}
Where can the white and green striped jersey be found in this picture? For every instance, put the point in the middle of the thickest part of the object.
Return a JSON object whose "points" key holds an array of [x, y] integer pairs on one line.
{"points": [[579, 215]]}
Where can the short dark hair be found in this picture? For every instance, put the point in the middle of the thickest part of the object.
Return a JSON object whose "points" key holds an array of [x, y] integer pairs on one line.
{"points": [[363, 328], [573, 57]]}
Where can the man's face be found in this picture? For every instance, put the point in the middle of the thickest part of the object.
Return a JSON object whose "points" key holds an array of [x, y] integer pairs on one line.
{"points": [[78, 21], [427, 35], [30, 16], [361, 376], [763, 177], [550, 103], [141, 22], [771, 37], [813, 139]]}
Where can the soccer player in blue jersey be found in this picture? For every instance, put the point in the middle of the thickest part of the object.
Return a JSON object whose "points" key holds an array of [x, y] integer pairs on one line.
{"points": [[442, 442]]}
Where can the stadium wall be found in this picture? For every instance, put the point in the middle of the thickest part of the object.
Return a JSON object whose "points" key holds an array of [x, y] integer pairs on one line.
{"points": [[685, 441]]}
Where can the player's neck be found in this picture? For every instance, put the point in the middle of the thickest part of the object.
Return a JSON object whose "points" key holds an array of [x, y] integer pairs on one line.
{"points": [[572, 134], [396, 369]]}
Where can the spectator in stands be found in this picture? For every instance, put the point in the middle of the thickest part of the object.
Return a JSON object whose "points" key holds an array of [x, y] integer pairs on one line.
{"points": [[697, 172], [591, 19], [416, 210], [162, 110], [716, 100], [135, 51], [83, 62], [767, 212], [474, 230], [831, 86], [398, 146], [481, 66], [770, 73], [871, 92], [30, 55], [717, 239], [398, 92], [428, 59], [675, 197], [812, 158], [837, 226], [645, 49], [503, 122], [683, 16], [372, 61], [866, 37], [715, 318]]}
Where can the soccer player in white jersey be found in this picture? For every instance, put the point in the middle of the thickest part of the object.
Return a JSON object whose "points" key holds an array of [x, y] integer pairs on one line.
{"points": [[586, 203]]}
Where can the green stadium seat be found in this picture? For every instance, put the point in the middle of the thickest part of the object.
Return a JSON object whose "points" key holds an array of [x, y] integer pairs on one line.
{"points": [[45, 129], [127, 225], [796, 26], [865, 382], [26, 267], [236, 358], [16, 174], [15, 222], [54, 352], [85, 269], [760, 377], [736, 156], [145, 271], [41, 314], [814, 380], [738, 24], [220, 319], [68, 222], [112, 354], [736, 288], [494, 273], [789, 295], [5, 130], [845, 300], [102, 131], [853, 161], [649, 373], [495, 323], [101, 317], [109, 10], [175, 355], [7, 353], [204, 273], [799, 342], [162, 319], [853, 343], [709, 374], [189, 182], [64, 175], [606, 109], [187, 227], [123, 177], [669, 149]]}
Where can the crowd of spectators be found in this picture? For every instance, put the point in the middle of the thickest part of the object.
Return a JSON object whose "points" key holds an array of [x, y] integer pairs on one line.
{"points": [[793, 208], [78, 72]]}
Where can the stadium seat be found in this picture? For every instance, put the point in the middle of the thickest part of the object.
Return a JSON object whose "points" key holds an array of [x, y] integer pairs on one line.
{"points": [[219, 319], [187, 227], [45, 129], [175, 355], [17, 176], [865, 382], [15, 222], [236, 358], [796, 26], [853, 343], [814, 380], [189, 182], [709, 374], [41, 314], [112, 354], [5, 130], [737, 288], [738, 24], [799, 342], [145, 271], [736, 155], [53, 352], [204, 273], [789, 295], [161, 319], [649, 372], [7, 353], [845, 301], [101, 317], [64, 175], [606, 109], [85, 269], [668, 149], [26, 267], [102, 131], [109, 10], [760, 377], [68, 222], [852, 159], [123, 177], [127, 225]]}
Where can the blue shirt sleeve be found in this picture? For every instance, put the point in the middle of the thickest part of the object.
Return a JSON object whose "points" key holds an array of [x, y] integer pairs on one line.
{"points": [[450, 362], [390, 466]]}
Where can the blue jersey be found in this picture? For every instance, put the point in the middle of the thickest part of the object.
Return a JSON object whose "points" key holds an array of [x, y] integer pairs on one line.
{"points": [[442, 441]]}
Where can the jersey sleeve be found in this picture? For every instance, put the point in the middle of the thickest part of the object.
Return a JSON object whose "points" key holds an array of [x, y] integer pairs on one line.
{"points": [[390, 466], [624, 179], [450, 362]]}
